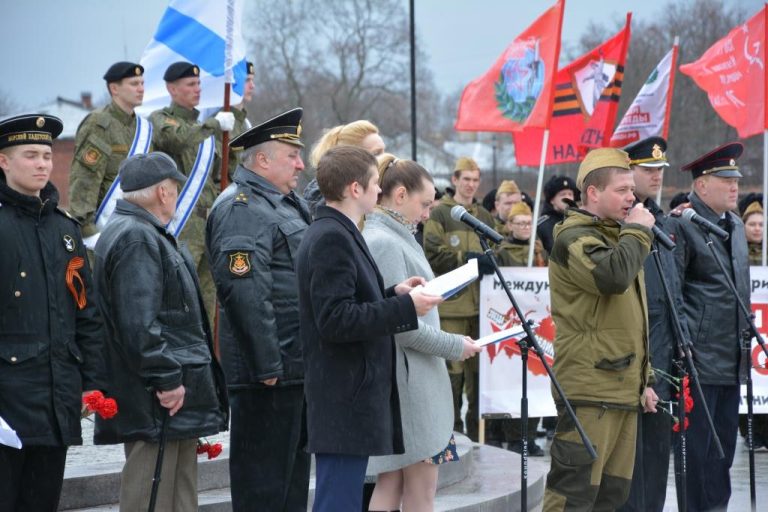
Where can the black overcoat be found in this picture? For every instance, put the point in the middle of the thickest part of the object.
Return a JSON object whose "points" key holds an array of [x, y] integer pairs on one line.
{"points": [[347, 323]]}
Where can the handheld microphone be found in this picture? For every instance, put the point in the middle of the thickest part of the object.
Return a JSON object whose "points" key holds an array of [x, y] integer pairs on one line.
{"points": [[461, 214], [690, 215]]}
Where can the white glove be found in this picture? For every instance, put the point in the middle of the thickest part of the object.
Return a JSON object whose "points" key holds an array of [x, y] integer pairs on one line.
{"points": [[226, 120]]}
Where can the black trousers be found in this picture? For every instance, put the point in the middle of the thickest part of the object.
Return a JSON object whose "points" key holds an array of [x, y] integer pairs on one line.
{"points": [[269, 468], [708, 485], [31, 478], [649, 478]]}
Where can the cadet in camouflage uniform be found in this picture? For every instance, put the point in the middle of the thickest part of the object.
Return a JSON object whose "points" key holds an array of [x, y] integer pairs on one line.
{"points": [[601, 347], [178, 134], [448, 244], [241, 121], [102, 142]]}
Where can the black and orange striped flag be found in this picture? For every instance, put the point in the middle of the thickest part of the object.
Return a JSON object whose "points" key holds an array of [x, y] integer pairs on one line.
{"points": [[586, 101]]}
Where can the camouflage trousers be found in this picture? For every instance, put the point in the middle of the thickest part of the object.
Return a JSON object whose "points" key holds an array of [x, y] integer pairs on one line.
{"points": [[193, 237], [576, 483]]}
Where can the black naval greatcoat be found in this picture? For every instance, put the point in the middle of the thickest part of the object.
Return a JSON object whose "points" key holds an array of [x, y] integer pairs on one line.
{"points": [[50, 349]]}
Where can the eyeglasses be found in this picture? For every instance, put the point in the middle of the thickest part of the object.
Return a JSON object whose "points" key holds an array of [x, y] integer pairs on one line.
{"points": [[523, 224]]}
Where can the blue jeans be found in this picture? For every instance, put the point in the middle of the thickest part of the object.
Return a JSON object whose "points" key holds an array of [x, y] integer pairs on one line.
{"points": [[339, 482]]}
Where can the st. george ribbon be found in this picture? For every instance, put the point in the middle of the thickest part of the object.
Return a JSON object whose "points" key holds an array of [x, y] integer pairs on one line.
{"points": [[459, 213], [690, 215]]}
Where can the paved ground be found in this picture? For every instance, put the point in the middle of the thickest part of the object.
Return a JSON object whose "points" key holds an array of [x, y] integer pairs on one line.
{"points": [[89, 454]]}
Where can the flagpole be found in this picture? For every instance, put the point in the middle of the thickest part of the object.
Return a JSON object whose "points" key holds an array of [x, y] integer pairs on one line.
{"points": [[668, 109], [544, 146], [537, 197], [224, 168]]}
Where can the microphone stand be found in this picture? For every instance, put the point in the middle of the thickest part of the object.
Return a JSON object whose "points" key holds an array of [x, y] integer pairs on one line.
{"points": [[746, 337], [684, 355], [529, 341]]}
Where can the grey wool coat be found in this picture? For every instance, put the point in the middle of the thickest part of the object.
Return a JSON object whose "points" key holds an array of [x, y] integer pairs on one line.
{"points": [[426, 404]]}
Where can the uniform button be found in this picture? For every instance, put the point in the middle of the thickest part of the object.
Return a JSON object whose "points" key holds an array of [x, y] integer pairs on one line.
{"points": [[23, 274], [13, 359], [17, 293]]}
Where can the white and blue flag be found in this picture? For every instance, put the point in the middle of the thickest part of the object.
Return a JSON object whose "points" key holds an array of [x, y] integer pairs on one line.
{"points": [[206, 33]]}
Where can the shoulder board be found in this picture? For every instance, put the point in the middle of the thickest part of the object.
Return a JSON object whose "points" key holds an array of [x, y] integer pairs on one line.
{"points": [[67, 215], [542, 219], [240, 198]]}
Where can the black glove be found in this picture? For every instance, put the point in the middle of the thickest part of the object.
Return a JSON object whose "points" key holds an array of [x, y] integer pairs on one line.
{"points": [[484, 264]]}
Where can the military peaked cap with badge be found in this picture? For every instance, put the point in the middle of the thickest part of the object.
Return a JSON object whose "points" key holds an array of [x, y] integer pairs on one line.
{"points": [[123, 69], [601, 158], [179, 70], [649, 152], [285, 127], [29, 129], [719, 162], [557, 183]]}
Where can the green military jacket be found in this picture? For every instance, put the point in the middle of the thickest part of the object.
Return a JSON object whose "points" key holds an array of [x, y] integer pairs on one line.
{"points": [[178, 133], [500, 226], [755, 252], [514, 253], [241, 124], [446, 243], [102, 142], [598, 301]]}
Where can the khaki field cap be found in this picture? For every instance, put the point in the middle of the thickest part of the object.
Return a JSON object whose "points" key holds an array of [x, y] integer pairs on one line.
{"points": [[466, 164], [519, 209], [598, 159], [507, 187]]}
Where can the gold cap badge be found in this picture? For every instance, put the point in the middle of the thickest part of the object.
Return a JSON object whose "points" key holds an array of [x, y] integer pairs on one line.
{"points": [[195, 70], [657, 153], [40, 122]]}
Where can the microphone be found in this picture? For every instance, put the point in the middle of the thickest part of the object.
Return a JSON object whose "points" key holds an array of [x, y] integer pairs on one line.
{"points": [[690, 215], [662, 238], [461, 214]]}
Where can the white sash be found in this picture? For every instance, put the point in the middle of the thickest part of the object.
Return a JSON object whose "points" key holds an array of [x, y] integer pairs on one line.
{"points": [[194, 185], [140, 145]]}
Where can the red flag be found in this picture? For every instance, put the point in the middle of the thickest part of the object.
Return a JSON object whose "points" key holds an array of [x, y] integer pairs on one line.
{"points": [[587, 93], [732, 73], [517, 90]]}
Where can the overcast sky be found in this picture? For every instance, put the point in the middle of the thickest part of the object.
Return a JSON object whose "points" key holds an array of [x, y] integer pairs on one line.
{"points": [[62, 47]]}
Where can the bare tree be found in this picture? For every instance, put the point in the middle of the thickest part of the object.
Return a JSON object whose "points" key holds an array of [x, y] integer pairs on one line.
{"points": [[341, 61]]}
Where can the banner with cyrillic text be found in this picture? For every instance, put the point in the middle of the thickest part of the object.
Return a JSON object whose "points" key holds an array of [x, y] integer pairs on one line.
{"points": [[500, 363], [759, 281]]}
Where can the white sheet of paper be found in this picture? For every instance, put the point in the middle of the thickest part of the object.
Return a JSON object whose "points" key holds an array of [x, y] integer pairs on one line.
{"points": [[8, 436], [512, 332], [454, 281]]}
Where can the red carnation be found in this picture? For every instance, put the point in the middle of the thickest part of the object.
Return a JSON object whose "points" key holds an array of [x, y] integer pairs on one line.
{"points": [[214, 450], [107, 409], [92, 400], [202, 447], [676, 426]]}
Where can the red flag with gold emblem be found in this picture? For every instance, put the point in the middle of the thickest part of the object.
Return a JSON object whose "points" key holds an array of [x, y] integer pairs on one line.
{"points": [[517, 91], [587, 94], [732, 73]]}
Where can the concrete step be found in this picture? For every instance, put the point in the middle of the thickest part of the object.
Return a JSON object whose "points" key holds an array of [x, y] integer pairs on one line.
{"points": [[485, 479]]}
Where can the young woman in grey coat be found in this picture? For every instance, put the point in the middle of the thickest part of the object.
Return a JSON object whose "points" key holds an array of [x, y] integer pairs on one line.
{"points": [[408, 481]]}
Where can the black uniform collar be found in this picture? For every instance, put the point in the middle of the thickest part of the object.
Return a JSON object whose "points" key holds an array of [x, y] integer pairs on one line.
{"points": [[704, 210], [263, 187], [33, 205]]}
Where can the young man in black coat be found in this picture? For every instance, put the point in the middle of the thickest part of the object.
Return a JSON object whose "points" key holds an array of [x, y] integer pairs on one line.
{"points": [[347, 322], [51, 338]]}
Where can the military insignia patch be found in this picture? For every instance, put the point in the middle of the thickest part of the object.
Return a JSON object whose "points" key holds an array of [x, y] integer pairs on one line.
{"points": [[69, 243], [657, 153], [454, 241], [239, 263], [171, 121], [40, 122], [91, 156]]}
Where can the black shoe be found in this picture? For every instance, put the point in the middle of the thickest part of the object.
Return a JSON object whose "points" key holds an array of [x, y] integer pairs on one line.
{"points": [[534, 450], [541, 433]]}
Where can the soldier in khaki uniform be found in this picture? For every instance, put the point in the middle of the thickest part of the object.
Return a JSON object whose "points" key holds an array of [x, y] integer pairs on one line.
{"points": [[178, 133], [507, 195], [241, 121], [102, 142], [601, 347], [448, 244]]}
